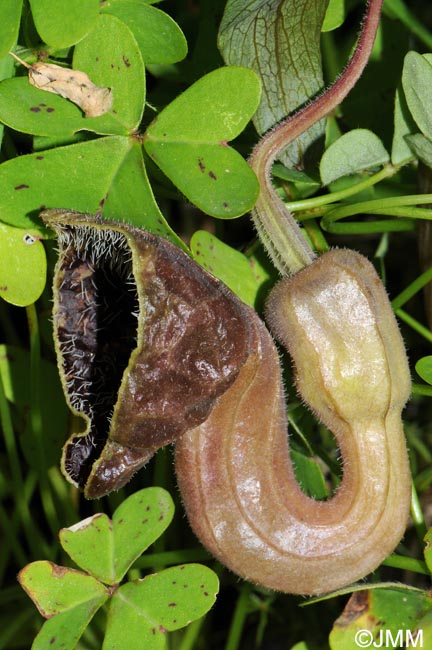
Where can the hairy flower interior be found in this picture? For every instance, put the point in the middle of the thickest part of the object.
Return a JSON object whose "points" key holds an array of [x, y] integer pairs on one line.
{"points": [[96, 325]]}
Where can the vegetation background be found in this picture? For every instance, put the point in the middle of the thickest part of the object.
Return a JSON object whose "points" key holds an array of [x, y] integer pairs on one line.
{"points": [[353, 196]]}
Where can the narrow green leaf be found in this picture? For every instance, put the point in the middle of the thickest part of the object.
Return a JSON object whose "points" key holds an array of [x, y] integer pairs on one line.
{"points": [[111, 57], [90, 545], [55, 589], [14, 372], [159, 38], [355, 151], [22, 266], [78, 177], [142, 612], [280, 40], [421, 146], [361, 587], [399, 10], [9, 25], [138, 522], [417, 85], [14, 369], [423, 368], [61, 24]]}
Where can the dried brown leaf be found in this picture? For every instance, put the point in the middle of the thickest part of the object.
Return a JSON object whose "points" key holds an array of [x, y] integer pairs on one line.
{"points": [[73, 85]]}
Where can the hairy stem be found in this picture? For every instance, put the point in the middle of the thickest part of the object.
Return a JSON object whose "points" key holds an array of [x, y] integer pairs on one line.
{"points": [[275, 225]]}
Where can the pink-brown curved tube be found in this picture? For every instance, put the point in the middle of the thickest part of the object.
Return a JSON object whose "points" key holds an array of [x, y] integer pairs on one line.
{"points": [[234, 470]]}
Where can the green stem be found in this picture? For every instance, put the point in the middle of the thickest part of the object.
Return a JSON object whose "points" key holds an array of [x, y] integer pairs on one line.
{"points": [[62, 491], [423, 480], [10, 442], [394, 206], [13, 626], [401, 11], [36, 419], [316, 236], [238, 621], [414, 324], [417, 514], [367, 227], [35, 383], [334, 197], [8, 326], [160, 474], [413, 288], [182, 556], [276, 226], [191, 634], [407, 564], [17, 484]]}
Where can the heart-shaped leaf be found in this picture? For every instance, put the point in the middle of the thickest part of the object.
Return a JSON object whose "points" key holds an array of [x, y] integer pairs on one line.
{"points": [[79, 175], [138, 522], [90, 544], [62, 632], [142, 612], [131, 199], [159, 37], [111, 57], [82, 175], [22, 266], [62, 24], [55, 589], [119, 67], [353, 152], [188, 141], [31, 110], [105, 548]]}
